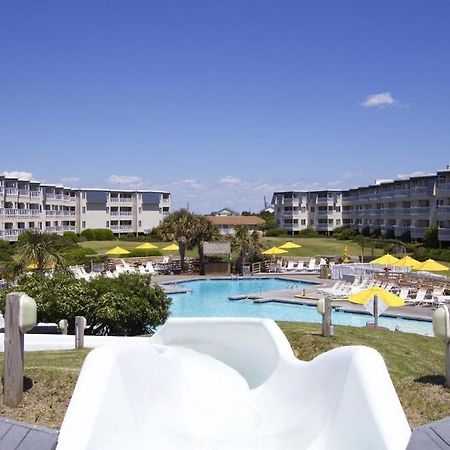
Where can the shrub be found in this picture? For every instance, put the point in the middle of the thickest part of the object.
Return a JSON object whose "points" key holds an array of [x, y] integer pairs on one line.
{"points": [[127, 305], [366, 231], [440, 254], [77, 256], [6, 251], [88, 234], [389, 234], [308, 232], [137, 253], [431, 238], [405, 237], [275, 232], [344, 233], [376, 233], [72, 236], [103, 234]]}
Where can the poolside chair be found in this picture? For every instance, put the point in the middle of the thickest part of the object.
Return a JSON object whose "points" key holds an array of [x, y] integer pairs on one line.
{"points": [[312, 265], [404, 293], [300, 266], [149, 268], [418, 299], [290, 266]]}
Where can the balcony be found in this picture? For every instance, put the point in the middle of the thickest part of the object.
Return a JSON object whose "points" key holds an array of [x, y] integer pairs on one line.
{"points": [[55, 229], [323, 213], [402, 211], [443, 212], [386, 194], [418, 232], [24, 192], [324, 201], [401, 193], [51, 196], [11, 191], [12, 233], [420, 211], [121, 227], [420, 191], [443, 188], [15, 212], [400, 229], [35, 194], [165, 200], [444, 234]]}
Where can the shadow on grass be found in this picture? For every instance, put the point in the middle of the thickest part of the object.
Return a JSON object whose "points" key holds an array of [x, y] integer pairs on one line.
{"points": [[438, 380]]}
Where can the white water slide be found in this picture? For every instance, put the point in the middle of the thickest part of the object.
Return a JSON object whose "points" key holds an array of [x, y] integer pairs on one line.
{"points": [[235, 384]]}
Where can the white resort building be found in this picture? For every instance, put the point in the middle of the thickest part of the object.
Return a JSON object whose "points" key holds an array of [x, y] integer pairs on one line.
{"points": [[408, 205], [30, 205]]}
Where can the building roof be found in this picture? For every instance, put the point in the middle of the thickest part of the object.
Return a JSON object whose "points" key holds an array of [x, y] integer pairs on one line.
{"points": [[236, 220]]}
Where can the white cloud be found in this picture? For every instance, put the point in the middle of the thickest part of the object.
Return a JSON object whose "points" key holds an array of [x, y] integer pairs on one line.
{"points": [[189, 183], [70, 180], [380, 100], [125, 180], [230, 180], [18, 174]]}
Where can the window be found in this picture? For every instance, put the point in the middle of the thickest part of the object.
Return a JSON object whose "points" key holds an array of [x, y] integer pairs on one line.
{"points": [[338, 209], [83, 224], [84, 210], [107, 210], [303, 222], [140, 223], [338, 221], [312, 208], [140, 209], [107, 224]]}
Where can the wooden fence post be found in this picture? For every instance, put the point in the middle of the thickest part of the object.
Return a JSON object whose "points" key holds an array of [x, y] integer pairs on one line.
{"points": [[13, 364], [80, 324]]}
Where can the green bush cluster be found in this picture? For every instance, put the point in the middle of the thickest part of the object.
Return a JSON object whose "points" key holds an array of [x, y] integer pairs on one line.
{"points": [[97, 234], [6, 251], [126, 305], [133, 238], [275, 232], [441, 254], [72, 236], [140, 253], [77, 256], [308, 232]]}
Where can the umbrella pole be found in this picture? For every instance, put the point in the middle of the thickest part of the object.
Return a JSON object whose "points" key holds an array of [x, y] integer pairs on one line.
{"points": [[375, 311]]}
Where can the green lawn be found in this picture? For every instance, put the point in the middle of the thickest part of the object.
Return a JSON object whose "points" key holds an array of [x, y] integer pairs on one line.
{"points": [[416, 365]]}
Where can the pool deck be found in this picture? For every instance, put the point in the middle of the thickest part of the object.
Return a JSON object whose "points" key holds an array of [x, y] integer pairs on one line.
{"points": [[23, 436], [303, 296]]}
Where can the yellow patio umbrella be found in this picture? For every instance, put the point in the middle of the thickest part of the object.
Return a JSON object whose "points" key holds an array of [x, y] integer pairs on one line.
{"points": [[171, 247], [274, 251], [146, 246], [386, 260], [371, 297], [33, 266], [407, 261], [430, 265], [289, 245], [117, 251]]}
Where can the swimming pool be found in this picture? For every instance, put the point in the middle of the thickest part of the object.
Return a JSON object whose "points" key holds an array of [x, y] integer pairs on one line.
{"points": [[209, 298]]}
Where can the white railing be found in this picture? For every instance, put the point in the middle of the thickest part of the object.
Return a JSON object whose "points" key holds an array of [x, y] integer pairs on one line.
{"points": [[24, 192], [443, 210], [16, 212], [11, 191], [443, 187], [121, 227], [35, 194], [125, 199], [401, 192], [418, 232]]}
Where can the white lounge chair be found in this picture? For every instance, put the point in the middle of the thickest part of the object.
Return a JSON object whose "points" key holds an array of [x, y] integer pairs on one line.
{"points": [[300, 266], [232, 384], [418, 299], [291, 265]]}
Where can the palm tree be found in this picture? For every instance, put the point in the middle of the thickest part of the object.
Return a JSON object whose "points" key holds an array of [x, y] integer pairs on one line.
{"points": [[180, 227], [248, 246], [204, 230], [39, 250]]}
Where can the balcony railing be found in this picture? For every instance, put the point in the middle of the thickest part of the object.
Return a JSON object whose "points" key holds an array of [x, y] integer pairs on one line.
{"points": [[24, 192], [403, 211], [443, 188], [35, 194], [443, 210], [12, 233], [418, 232], [401, 193], [15, 212], [54, 212], [400, 229], [420, 190], [11, 191], [444, 234], [121, 227], [50, 196], [420, 210]]}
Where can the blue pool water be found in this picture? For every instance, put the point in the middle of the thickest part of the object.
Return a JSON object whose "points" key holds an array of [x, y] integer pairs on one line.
{"points": [[209, 298]]}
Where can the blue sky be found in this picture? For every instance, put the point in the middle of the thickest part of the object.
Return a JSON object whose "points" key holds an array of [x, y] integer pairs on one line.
{"points": [[223, 102]]}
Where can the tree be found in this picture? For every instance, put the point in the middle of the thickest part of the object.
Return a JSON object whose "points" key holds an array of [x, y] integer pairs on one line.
{"points": [[42, 250], [126, 305], [248, 246], [180, 227], [204, 230], [431, 237]]}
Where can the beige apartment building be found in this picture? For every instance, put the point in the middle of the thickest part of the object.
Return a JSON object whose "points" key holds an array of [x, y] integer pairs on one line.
{"points": [[404, 206], [30, 205]]}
